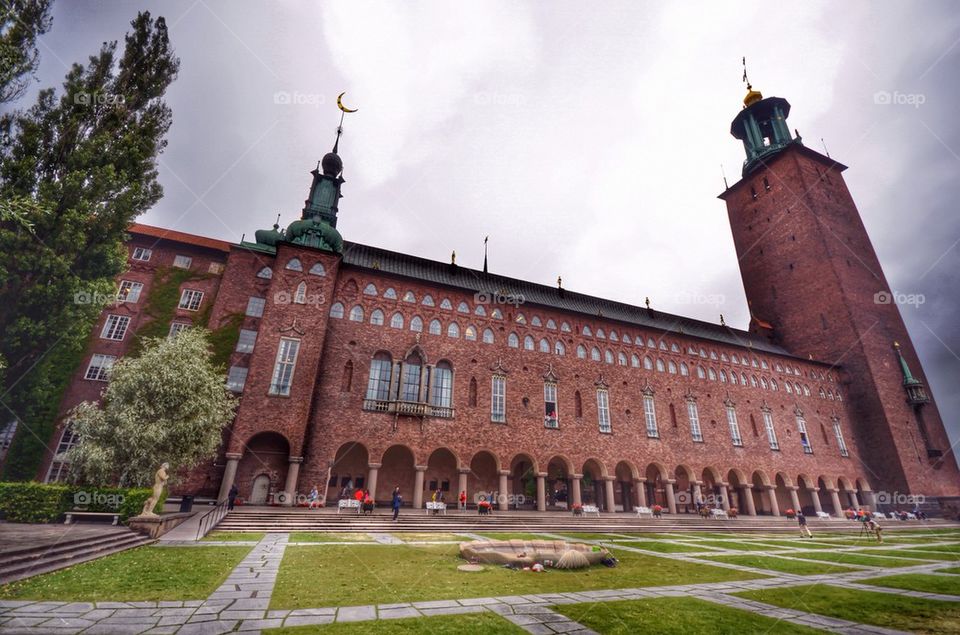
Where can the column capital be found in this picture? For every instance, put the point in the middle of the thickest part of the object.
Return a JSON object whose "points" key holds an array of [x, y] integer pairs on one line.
{"points": [[670, 481], [793, 488], [374, 466], [833, 490], [642, 479], [234, 456], [608, 478], [541, 475], [464, 470], [700, 483], [576, 477], [504, 472], [420, 468], [768, 487], [295, 459]]}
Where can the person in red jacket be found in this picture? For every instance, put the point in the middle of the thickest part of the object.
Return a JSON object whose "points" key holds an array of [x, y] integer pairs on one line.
{"points": [[463, 500], [358, 494]]}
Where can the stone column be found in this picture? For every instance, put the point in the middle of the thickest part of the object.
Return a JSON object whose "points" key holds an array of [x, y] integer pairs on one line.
{"points": [[835, 499], [671, 498], [503, 496], [640, 484], [697, 493], [854, 501], [541, 491], [772, 495], [608, 495], [794, 499], [870, 500], [575, 483], [462, 484], [746, 493], [724, 496], [418, 486], [229, 476], [815, 495], [373, 469], [293, 473]]}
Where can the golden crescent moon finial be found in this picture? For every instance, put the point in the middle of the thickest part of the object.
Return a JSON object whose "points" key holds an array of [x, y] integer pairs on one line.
{"points": [[340, 103]]}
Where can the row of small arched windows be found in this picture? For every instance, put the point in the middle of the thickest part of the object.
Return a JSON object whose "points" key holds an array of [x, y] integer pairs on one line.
{"points": [[294, 264]]}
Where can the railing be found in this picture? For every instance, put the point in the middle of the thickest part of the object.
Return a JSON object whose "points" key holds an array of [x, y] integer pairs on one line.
{"points": [[408, 408], [211, 519]]}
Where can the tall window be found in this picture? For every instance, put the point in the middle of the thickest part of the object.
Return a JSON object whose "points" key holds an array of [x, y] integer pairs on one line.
{"points": [[378, 387], [129, 291], [804, 437], [838, 432], [734, 426], [442, 394], [190, 299], [550, 419], [771, 432], [410, 379], [59, 466], [435, 327], [246, 341], [416, 324], [513, 341], [498, 399], [236, 378], [695, 432], [115, 327], [287, 353], [300, 297], [255, 307], [487, 336], [603, 410], [650, 416], [99, 367], [356, 314], [397, 321], [376, 317]]}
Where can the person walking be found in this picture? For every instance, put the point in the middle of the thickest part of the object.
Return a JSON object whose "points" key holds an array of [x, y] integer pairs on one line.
{"points": [[463, 500], [874, 525], [397, 500], [802, 522], [232, 496], [314, 498]]}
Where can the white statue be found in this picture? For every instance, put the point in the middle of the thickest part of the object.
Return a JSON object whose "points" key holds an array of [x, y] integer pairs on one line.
{"points": [[159, 480]]}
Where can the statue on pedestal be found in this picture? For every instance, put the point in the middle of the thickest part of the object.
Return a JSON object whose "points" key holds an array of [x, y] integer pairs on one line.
{"points": [[159, 480]]}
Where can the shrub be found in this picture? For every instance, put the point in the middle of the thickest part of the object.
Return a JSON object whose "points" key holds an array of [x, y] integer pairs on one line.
{"points": [[32, 502]]}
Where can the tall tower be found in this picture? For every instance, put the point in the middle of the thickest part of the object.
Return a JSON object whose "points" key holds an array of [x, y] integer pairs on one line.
{"points": [[815, 286]]}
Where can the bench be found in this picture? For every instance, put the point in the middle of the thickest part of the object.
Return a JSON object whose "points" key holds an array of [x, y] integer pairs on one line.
{"points": [[436, 507], [591, 509], [823, 515], [719, 513], [348, 503], [112, 515], [644, 511]]}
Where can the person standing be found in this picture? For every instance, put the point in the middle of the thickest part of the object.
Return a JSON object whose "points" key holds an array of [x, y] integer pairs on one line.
{"points": [[873, 523], [463, 500], [232, 496], [397, 500], [802, 522], [313, 498]]}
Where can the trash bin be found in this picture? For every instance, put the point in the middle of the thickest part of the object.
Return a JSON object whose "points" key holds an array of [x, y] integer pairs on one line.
{"points": [[186, 503]]}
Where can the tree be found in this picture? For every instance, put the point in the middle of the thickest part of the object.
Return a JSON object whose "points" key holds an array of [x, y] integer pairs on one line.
{"points": [[75, 171], [21, 23], [170, 404]]}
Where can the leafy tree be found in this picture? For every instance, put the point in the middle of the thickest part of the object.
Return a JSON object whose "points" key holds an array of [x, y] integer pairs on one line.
{"points": [[169, 404], [75, 170], [21, 23]]}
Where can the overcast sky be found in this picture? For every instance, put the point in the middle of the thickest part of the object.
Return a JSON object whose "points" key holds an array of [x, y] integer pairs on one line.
{"points": [[585, 140]]}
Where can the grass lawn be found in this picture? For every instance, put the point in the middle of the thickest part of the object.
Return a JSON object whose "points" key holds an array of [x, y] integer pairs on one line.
{"points": [[663, 546], [953, 570], [673, 616], [915, 553], [736, 546], [143, 574], [799, 543], [507, 535], [942, 548], [233, 536], [919, 582], [369, 574], [468, 624], [412, 536], [575, 535], [855, 558], [772, 563], [916, 615], [322, 536]]}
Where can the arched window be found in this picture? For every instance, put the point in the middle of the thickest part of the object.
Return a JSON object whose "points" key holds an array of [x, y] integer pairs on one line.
{"points": [[723, 376], [614, 337], [427, 300], [470, 333], [378, 386], [744, 380], [806, 389], [453, 330], [601, 335], [621, 359], [410, 297], [513, 341], [671, 368], [376, 317], [712, 374], [496, 314], [651, 343], [535, 321], [317, 270], [595, 354], [683, 369], [356, 314], [396, 321], [435, 328], [753, 380], [559, 348], [713, 355], [788, 387], [700, 373], [551, 324], [660, 366], [634, 361], [528, 344], [581, 352], [734, 379], [663, 345], [294, 264], [763, 383], [587, 331], [676, 349], [390, 293], [521, 318], [346, 381], [608, 356], [564, 327], [300, 297], [773, 385], [463, 308], [479, 310], [266, 273], [446, 304], [488, 336], [823, 394], [370, 289], [544, 345], [441, 394], [648, 363], [336, 311], [472, 396], [416, 324], [627, 339]]}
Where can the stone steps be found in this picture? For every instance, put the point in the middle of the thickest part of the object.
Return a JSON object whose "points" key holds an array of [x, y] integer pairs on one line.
{"points": [[24, 562]]}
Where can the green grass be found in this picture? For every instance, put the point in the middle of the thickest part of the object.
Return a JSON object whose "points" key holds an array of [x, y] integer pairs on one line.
{"points": [[468, 624], [855, 558], [942, 548], [143, 574], [507, 535], [575, 535], [919, 582], [916, 615], [735, 546], [662, 546], [412, 536], [799, 544], [233, 536], [320, 536], [367, 574], [673, 616], [783, 565], [915, 553], [953, 570]]}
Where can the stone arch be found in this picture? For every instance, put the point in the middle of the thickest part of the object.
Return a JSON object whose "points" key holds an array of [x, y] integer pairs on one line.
{"points": [[397, 470], [760, 491], [559, 488], [484, 477], [523, 481], [625, 488], [264, 463], [656, 475], [807, 496], [684, 489], [591, 483], [848, 493], [736, 483], [785, 500], [442, 473], [349, 469], [865, 494], [828, 498]]}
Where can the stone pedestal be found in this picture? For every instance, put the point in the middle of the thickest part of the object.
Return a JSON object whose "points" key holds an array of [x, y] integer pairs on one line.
{"points": [[156, 526]]}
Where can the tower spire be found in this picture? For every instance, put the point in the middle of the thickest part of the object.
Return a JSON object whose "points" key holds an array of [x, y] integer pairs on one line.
{"points": [[485, 254]]}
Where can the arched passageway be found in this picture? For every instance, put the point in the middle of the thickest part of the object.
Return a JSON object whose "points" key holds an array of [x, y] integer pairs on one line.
{"points": [[523, 482], [559, 486], [442, 476], [262, 470], [625, 491], [348, 472], [397, 470]]}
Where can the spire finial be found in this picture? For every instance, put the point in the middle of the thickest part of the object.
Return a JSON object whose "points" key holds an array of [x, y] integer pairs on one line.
{"points": [[343, 110], [745, 79], [753, 96], [485, 254], [559, 282]]}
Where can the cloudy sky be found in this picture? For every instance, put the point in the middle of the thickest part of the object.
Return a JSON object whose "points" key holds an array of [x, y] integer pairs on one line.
{"points": [[586, 141]]}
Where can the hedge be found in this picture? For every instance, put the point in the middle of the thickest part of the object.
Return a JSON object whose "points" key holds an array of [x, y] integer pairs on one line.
{"points": [[43, 503]]}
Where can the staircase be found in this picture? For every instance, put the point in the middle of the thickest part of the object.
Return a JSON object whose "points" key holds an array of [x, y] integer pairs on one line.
{"points": [[28, 559], [279, 519]]}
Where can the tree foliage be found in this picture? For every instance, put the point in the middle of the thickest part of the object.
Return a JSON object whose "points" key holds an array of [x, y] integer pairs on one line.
{"points": [[170, 404], [21, 23]]}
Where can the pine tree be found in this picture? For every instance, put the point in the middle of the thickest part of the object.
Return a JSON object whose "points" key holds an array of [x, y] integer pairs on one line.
{"points": [[21, 23]]}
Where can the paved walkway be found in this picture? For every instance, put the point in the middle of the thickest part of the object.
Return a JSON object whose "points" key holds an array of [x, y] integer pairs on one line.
{"points": [[241, 603]]}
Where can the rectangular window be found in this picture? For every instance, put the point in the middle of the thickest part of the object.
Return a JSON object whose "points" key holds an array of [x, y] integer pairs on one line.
{"points": [[379, 385], [410, 382], [734, 426], [255, 307], [498, 399], [550, 419], [283, 369], [838, 432], [236, 378], [142, 253], [176, 328], [99, 367], [115, 327], [246, 341], [804, 437], [442, 394], [129, 291], [215, 268], [695, 432], [182, 262], [59, 467], [7, 433], [190, 299], [650, 416], [603, 411], [771, 432]]}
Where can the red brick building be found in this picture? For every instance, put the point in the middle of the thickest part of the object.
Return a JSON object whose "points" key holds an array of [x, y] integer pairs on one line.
{"points": [[363, 367]]}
